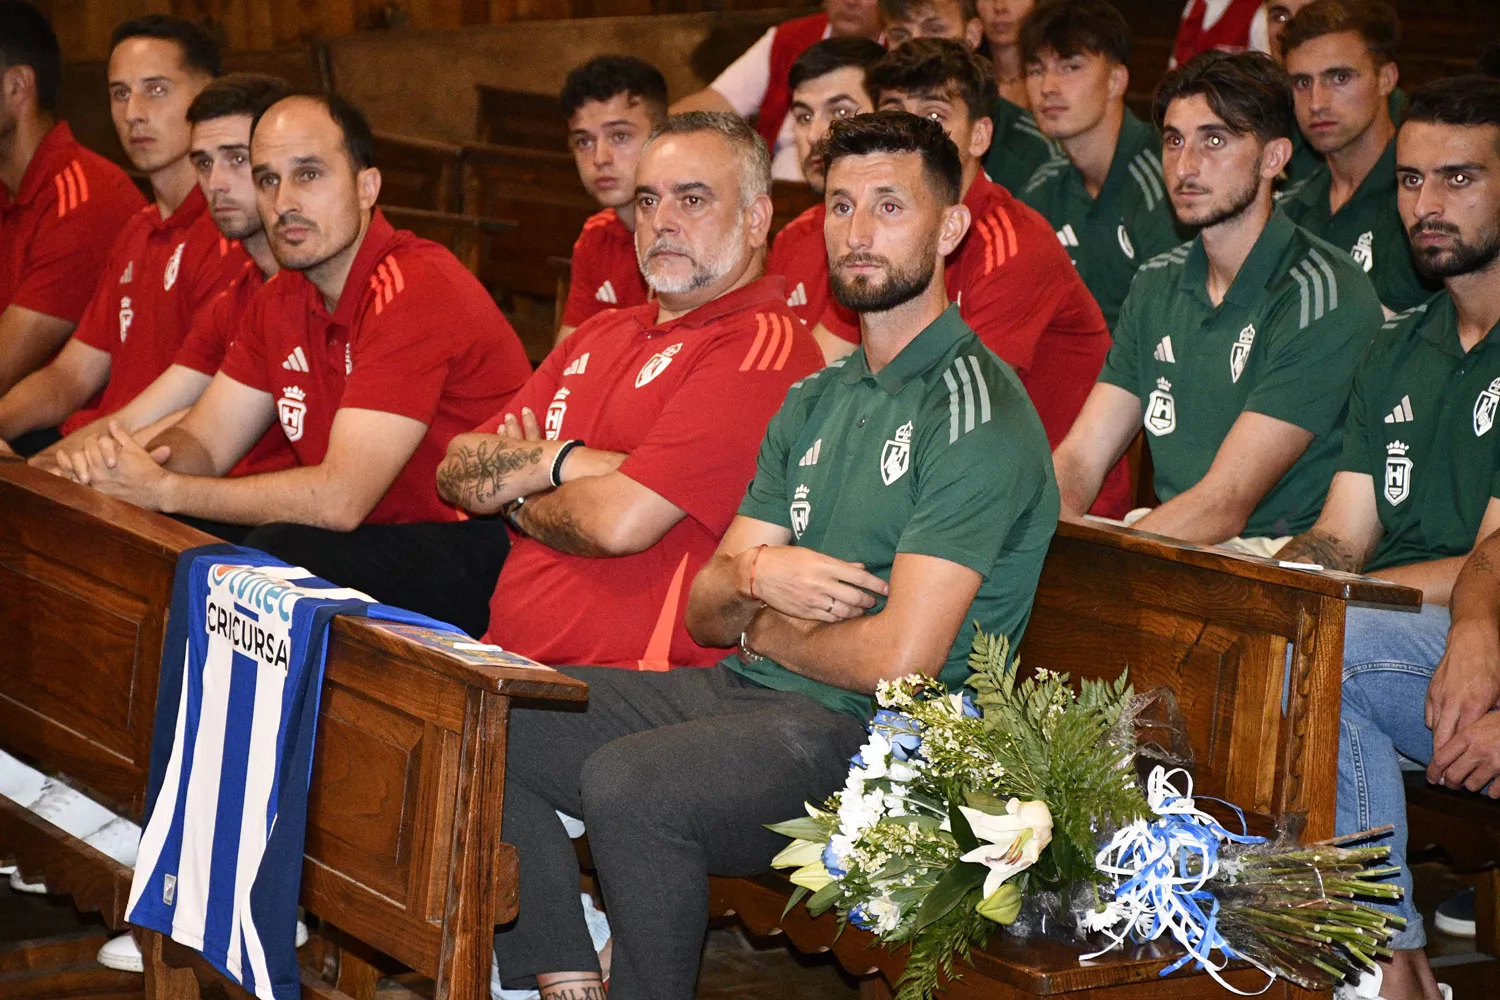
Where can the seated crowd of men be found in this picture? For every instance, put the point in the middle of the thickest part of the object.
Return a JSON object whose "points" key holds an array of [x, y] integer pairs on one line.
{"points": [[1009, 280]]}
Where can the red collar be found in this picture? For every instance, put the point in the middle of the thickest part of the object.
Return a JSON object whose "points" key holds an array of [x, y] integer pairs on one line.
{"points": [[771, 288], [379, 236], [193, 208], [983, 195], [52, 154]]}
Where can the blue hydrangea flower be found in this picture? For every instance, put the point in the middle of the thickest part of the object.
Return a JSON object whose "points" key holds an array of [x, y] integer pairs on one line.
{"points": [[900, 730], [861, 919], [831, 861], [970, 709]]}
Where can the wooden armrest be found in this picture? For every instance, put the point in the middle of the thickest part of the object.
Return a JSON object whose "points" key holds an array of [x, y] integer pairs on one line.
{"points": [[139, 528]]}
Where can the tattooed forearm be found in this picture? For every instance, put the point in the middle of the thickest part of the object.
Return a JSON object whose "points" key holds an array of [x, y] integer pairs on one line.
{"points": [[475, 477], [1326, 550], [550, 521]]}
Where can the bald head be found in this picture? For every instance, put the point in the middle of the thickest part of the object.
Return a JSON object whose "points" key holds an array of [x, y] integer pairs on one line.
{"points": [[315, 185]]}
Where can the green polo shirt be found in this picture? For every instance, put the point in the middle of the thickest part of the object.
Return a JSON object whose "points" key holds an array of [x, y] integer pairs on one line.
{"points": [[1422, 423], [1131, 221], [1019, 147], [1367, 227], [1284, 342], [941, 454]]}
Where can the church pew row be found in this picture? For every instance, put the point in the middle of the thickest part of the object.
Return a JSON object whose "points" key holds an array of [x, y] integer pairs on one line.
{"points": [[410, 737], [403, 846], [1220, 631]]}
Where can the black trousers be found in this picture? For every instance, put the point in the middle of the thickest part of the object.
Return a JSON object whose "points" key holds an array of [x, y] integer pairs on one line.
{"points": [[674, 773], [30, 443], [446, 571]]}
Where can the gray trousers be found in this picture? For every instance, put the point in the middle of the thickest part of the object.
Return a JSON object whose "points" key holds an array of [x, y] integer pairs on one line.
{"points": [[674, 774]]}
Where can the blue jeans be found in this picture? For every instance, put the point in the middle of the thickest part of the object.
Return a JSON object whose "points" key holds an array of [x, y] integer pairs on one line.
{"points": [[1389, 660]]}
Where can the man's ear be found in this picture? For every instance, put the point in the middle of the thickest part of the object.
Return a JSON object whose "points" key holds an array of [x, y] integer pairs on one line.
{"points": [[974, 32], [758, 217], [15, 83], [980, 136], [1119, 81], [1274, 158], [368, 181], [953, 228], [1390, 76]]}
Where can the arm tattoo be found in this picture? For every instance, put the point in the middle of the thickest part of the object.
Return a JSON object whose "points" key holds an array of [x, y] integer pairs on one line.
{"points": [[553, 524], [1480, 562], [585, 987], [473, 476], [1326, 550]]}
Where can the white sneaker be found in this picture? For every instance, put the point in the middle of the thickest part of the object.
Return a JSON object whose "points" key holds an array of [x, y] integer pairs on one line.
{"points": [[119, 838], [121, 954], [18, 884], [1368, 987]]}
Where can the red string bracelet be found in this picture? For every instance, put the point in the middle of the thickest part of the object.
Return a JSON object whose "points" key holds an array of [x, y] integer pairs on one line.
{"points": [[753, 560]]}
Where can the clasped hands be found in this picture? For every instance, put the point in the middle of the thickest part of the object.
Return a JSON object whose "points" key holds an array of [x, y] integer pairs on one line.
{"points": [[1461, 711], [117, 464]]}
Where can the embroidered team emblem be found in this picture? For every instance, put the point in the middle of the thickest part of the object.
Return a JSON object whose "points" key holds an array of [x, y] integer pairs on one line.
{"points": [[1363, 251], [800, 510], [556, 410], [1161, 409], [1397, 473], [291, 408], [895, 457], [1126, 247], [169, 277], [127, 315], [656, 365], [1240, 352], [1485, 407]]}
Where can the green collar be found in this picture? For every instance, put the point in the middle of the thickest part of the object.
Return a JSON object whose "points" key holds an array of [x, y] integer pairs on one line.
{"points": [[1135, 135], [916, 358], [1261, 268], [1440, 328]]}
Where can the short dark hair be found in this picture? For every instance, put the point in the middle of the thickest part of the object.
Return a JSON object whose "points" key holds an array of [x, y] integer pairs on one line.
{"points": [[199, 50], [26, 39], [603, 77], [359, 142], [899, 132], [905, 10], [1249, 90], [237, 94], [1374, 20], [822, 58], [937, 65], [1465, 101], [1074, 27]]}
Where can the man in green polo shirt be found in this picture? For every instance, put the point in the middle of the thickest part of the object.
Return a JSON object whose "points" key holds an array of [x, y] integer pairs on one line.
{"points": [[1107, 199], [1417, 490], [1235, 350], [1340, 55], [899, 499]]}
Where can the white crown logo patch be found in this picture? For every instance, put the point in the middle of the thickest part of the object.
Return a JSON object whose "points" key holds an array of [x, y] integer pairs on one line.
{"points": [[291, 410], [1161, 409], [800, 510], [1397, 473]]}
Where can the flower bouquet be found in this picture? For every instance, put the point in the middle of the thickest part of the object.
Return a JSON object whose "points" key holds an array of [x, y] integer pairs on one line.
{"points": [[962, 811]]}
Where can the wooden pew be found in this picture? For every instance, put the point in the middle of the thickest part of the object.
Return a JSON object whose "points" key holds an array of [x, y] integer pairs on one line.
{"points": [[519, 118], [1221, 631], [403, 847], [419, 173], [466, 235]]}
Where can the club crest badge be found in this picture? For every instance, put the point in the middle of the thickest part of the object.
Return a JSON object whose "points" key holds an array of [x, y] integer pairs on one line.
{"points": [[895, 457], [127, 316], [1240, 352], [656, 365], [1363, 251], [800, 510], [1126, 247], [1161, 409], [1397, 473], [291, 408], [1485, 407], [169, 277], [556, 410]]}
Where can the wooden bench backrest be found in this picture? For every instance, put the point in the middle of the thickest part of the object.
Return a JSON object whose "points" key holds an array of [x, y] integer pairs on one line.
{"points": [[419, 173], [403, 845], [518, 118]]}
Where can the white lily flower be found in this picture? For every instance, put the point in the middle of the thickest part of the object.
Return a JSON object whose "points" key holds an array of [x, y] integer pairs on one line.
{"points": [[1014, 841], [811, 877], [798, 853]]}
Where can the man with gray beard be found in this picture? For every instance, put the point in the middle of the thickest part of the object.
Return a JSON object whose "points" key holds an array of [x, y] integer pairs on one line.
{"points": [[621, 462]]}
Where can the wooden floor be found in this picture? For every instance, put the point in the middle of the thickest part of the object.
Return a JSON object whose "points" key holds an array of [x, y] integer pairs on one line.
{"points": [[735, 968]]}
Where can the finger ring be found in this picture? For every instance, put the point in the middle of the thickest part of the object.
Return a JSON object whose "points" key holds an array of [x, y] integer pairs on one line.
{"points": [[831, 602]]}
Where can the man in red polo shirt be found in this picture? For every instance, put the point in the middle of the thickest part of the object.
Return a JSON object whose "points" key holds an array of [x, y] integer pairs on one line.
{"points": [[1012, 280], [612, 104], [622, 461], [221, 116], [755, 84], [828, 85], [61, 206], [166, 263], [371, 348]]}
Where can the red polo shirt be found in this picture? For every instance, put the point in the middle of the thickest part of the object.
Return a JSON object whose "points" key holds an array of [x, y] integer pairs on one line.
{"points": [[1019, 292], [800, 255], [689, 401], [605, 272], [213, 330], [160, 273], [56, 230], [413, 334]]}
